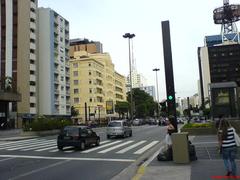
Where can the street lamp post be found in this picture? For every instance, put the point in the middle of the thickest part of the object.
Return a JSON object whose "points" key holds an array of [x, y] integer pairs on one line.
{"points": [[156, 69], [130, 36]]}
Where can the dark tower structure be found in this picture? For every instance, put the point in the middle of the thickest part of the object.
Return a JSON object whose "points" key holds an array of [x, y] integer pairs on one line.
{"points": [[169, 78]]}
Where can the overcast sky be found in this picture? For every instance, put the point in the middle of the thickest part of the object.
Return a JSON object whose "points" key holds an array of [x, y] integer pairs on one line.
{"points": [[107, 20]]}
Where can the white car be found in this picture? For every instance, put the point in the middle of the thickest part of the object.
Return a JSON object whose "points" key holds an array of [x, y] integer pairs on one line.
{"points": [[119, 128]]}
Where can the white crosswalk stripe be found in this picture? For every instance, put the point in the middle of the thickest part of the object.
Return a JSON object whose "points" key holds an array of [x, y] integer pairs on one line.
{"points": [[142, 150], [114, 146], [130, 147], [100, 147]]}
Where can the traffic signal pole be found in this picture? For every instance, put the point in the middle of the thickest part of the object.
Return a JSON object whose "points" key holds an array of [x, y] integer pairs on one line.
{"points": [[169, 77]]}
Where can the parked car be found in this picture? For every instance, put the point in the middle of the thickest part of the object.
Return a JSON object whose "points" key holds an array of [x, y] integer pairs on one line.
{"points": [[77, 136], [137, 122], [152, 121], [119, 128]]}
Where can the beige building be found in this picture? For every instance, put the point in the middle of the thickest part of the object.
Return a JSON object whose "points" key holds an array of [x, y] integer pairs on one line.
{"points": [[95, 86]]}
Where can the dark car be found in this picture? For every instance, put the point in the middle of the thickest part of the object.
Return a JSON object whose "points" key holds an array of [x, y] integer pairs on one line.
{"points": [[77, 136]]}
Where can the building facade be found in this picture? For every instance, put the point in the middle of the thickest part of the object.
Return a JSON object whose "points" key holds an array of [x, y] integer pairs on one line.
{"points": [[19, 53], [219, 64], [85, 45], [54, 70], [95, 86]]}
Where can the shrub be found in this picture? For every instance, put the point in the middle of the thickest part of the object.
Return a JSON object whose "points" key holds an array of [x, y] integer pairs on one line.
{"points": [[43, 123], [198, 125]]}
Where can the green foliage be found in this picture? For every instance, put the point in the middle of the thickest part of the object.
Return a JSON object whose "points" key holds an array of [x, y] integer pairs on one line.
{"points": [[43, 123], [198, 125], [121, 108], [144, 104]]}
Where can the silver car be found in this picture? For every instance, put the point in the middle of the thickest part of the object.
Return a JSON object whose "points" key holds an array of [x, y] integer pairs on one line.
{"points": [[119, 128]]}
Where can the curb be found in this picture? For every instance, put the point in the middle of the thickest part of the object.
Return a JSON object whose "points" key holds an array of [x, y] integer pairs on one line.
{"points": [[133, 169]]}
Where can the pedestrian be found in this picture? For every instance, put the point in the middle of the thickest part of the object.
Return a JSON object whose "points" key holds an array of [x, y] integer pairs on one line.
{"points": [[170, 130], [228, 146]]}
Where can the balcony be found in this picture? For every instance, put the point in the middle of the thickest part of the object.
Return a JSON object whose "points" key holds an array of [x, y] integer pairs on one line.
{"points": [[32, 25], [33, 15], [32, 77], [56, 81], [32, 35], [56, 91], [32, 45], [33, 5], [32, 67], [33, 110], [32, 56], [68, 84], [32, 99]]}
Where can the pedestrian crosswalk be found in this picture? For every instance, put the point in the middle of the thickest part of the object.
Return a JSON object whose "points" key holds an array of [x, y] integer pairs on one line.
{"points": [[136, 147]]}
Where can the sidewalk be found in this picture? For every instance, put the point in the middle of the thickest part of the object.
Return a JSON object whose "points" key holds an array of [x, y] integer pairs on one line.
{"points": [[209, 165], [13, 135]]}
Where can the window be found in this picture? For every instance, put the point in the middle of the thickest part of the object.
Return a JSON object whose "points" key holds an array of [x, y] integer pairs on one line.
{"points": [[90, 82], [75, 65], [75, 73], [75, 91], [75, 82], [90, 99], [32, 51], [89, 64], [62, 78], [90, 90], [76, 100], [89, 73], [32, 105]]}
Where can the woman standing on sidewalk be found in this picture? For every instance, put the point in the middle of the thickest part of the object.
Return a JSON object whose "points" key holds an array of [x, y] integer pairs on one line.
{"points": [[228, 145], [170, 130]]}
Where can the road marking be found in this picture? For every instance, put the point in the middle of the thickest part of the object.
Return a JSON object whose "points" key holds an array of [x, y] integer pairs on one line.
{"points": [[44, 149], [115, 147], [68, 158], [130, 147], [38, 170], [30, 145], [17, 144], [42, 145], [7, 143], [140, 151], [100, 147]]}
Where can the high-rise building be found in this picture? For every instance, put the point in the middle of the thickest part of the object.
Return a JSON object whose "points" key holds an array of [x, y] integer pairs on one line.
{"points": [[138, 80], [85, 45], [95, 86], [19, 52], [150, 90], [54, 70]]}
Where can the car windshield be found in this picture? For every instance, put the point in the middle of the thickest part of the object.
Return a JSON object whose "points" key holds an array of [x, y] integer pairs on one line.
{"points": [[71, 131], [114, 124]]}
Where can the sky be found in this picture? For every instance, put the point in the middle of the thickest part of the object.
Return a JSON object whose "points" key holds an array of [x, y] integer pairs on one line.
{"points": [[107, 20]]}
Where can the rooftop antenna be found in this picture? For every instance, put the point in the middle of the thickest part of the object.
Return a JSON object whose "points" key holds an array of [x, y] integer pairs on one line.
{"points": [[227, 16]]}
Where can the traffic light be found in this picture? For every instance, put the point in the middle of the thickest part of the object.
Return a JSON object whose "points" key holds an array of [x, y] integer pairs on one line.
{"points": [[170, 97]]}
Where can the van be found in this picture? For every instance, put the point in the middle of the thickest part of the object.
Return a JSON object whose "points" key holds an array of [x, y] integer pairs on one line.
{"points": [[119, 128]]}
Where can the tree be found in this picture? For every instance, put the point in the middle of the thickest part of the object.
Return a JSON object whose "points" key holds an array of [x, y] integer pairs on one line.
{"points": [[74, 112], [144, 104], [121, 107]]}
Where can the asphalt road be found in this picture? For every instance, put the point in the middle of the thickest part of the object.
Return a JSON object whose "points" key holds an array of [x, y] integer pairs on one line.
{"points": [[39, 158]]}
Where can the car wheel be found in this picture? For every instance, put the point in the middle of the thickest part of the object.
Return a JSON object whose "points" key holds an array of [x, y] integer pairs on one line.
{"points": [[60, 148], [98, 142], [82, 145]]}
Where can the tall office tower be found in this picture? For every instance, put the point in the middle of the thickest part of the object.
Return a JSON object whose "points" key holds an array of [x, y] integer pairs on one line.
{"points": [[54, 77], [95, 86], [85, 45], [138, 80], [18, 53], [150, 90]]}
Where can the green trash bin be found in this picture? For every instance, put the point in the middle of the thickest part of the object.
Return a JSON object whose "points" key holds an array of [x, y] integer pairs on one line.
{"points": [[180, 147]]}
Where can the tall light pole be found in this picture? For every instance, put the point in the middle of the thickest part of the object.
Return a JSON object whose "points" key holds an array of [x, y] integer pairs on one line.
{"points": [[156, 69], [130, 36]]}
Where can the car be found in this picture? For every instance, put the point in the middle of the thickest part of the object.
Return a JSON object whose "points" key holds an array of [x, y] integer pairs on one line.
{"points": [[77, 136], [152, 121], [136, 122], [119, 128]]}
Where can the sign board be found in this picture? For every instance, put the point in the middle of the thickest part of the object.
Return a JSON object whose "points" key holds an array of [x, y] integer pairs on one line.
{"points": [[109, 107]]}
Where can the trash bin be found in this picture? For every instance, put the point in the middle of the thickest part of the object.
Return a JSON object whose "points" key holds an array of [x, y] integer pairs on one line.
{"points": [[180, 147]]}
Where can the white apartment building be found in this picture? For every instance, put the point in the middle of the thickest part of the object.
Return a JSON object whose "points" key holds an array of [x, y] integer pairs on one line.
{"points": [[54, 72]]}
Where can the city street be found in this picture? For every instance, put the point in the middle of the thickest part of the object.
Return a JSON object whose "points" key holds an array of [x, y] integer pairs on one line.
{"points": [[39, 158]]}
